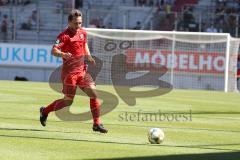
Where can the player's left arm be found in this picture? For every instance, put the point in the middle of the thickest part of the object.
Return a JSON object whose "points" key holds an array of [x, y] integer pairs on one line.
{"points": [[88, 55]]}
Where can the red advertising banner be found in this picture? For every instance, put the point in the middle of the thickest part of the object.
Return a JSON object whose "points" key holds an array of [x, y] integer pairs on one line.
{"points": [[181, 61]]}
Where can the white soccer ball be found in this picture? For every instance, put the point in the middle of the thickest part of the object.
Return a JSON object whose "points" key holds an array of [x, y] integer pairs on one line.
{"points": [[156, 135]]}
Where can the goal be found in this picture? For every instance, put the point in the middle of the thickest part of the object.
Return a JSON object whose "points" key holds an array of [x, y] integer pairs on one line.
{"points": [[193, 60]]}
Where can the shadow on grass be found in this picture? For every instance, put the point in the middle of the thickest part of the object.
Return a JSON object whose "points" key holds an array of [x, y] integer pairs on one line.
{"points": [[214, 147], [125, 125], [35, 130], [204, 156]]}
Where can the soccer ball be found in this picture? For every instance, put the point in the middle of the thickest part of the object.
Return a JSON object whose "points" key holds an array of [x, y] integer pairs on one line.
{"points": [[156, 135]]}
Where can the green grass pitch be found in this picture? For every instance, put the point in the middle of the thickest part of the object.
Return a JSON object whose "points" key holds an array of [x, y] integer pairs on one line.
{"points": [[213, 132]]}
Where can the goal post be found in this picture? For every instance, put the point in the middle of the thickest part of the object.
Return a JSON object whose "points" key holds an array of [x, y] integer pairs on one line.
{"points": [[194, 60]]}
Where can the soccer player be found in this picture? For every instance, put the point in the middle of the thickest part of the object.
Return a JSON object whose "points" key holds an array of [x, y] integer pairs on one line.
{"points": [[72, 46]]}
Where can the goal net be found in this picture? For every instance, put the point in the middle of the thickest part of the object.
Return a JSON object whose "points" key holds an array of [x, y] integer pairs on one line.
{"points": [[186, 60]]}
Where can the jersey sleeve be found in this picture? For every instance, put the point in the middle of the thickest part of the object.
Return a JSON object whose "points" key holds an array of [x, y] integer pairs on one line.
{"points": [[84, 32], [60, 41], [85, 38]]}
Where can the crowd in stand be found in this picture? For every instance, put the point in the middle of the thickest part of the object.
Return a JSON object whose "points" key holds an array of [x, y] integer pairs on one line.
{"points": [[17, 2], [4, 28], [166, 23], [226, 17], [31, 22]]}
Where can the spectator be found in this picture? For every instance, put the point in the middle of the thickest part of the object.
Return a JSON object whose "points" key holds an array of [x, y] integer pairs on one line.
{"points": [[188, 18], [221, 26], [180, 25], [220, 9], [20, 2], [4, 27], [135, 2], [140, 2], [192, 26], [166, 24], [150, 3], [26, 2], [211, 29], [32, 20], [94, 23], [3, 2], [167, 8], [13, 29], [109, 25], [78, 3], [232, 23], [138, 25]]}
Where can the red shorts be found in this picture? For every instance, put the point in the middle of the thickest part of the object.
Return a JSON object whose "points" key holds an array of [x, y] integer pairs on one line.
{"points": [[238, 73], [72, 81]]}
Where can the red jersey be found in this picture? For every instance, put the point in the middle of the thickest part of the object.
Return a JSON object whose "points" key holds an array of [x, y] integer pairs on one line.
{"points": [[74, 43]]}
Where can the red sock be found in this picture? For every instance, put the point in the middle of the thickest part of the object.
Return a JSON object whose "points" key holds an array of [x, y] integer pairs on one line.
{"points": [[56, 105], [95, 109]]}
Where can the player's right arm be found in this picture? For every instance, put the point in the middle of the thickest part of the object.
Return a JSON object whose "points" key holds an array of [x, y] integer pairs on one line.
{"points": [[59, 44], [58, 53]]}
